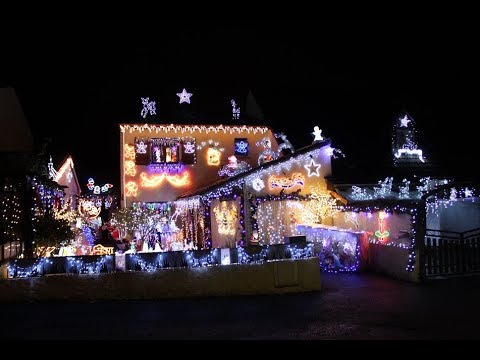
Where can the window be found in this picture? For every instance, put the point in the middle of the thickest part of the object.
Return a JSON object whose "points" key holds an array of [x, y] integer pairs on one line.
{"points": [[142, 154], [241, 146], [165, 151]]}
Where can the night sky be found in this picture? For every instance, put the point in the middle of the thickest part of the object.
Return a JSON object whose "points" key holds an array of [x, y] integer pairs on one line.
{"points": [[351, 85]]}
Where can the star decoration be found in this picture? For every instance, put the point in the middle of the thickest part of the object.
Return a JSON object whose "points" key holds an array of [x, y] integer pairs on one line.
{"points": [[317, 133], [184, 96], [141, 148], [313, 169], [404, 121]]}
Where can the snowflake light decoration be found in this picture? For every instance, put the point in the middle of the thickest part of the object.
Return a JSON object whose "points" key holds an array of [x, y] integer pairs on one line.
{"points": [[184, 96], [258, 184]]}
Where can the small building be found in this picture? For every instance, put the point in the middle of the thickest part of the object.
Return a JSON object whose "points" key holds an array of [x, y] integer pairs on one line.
{"points": [[67, 178]]}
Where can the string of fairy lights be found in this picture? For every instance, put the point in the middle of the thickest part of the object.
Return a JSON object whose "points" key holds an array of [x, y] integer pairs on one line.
{"points": [[11, 211], [182, 129], [75, 264]]}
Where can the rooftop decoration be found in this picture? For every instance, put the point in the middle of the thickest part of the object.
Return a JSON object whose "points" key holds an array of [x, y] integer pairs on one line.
{"points": [[317, 133], [404, 145], [235, 110], [285, 144], [385, 188], [148, 107], [184, 96]]}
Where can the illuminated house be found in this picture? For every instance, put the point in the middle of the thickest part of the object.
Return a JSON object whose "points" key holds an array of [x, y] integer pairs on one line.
{"points": [[268, 199], [25, 192], [210, 177], [228, 186], [67, 178]]}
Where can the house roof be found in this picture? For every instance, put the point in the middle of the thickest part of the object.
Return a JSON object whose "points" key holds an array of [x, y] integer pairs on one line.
{"points": [[15, 134], [220, 183], [68, 162]]}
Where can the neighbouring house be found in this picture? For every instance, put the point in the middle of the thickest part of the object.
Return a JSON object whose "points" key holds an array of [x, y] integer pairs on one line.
{"points": [[26, 192], [67, 178]]}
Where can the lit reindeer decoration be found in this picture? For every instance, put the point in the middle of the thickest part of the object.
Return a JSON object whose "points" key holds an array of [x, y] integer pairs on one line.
{"points": [[235, 110], [285, 145], [148, 106]]}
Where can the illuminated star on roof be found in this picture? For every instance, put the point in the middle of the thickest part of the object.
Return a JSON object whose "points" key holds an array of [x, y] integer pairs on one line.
{"points": [[404, 121], [313, 169], [184, 96]]}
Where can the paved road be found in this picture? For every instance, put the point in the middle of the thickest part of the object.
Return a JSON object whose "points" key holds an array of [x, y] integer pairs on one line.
{"points": [[350, 307]]}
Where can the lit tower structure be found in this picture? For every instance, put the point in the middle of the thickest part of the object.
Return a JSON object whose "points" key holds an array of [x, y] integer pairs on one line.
{"points": [[404, 142]]}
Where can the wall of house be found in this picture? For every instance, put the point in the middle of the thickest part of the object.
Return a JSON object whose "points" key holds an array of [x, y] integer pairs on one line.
{"points": [[277, 218], [462, 215], [145, 183], [392, 261], [285, 173], [383, 254], [398, 226]]}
